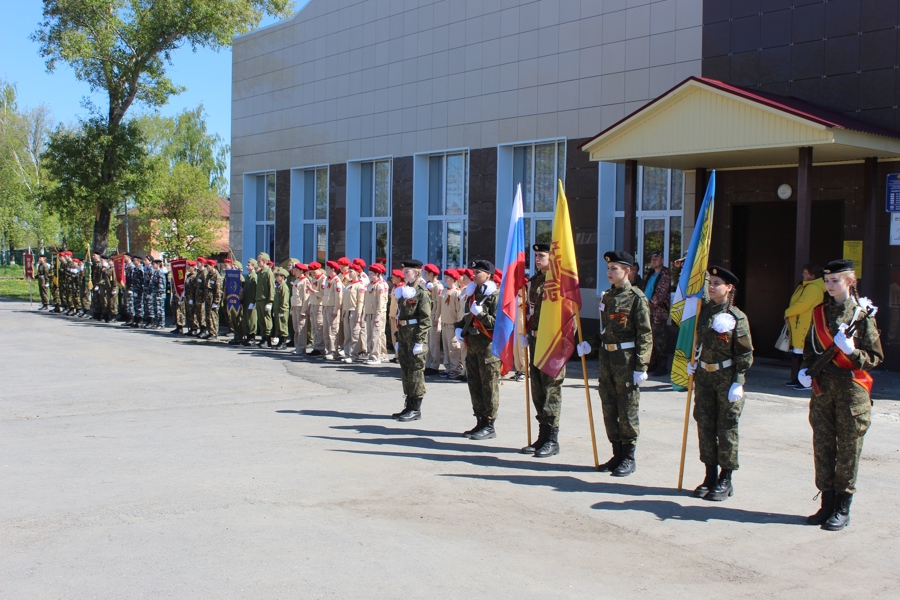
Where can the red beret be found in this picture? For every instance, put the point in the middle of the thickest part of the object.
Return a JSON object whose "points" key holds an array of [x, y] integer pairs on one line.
{"points": [[333, 264], [212, 262], [397, 273], [228, 261], [356, 268], [315, 265], [78, 260], [432, 269], [469, 273], [300, 266], [360, 262], [192, 263], [453, 273], [377, 268], [343, 261], [271, 263], [381, 260], [201, 260]]}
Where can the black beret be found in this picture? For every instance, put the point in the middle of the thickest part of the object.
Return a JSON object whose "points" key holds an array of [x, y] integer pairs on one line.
{"points": [[838, 266], [725, 275], [619, 256], [482, 265], [104, 257], [411, 264], [655, 254], [541, 247]]}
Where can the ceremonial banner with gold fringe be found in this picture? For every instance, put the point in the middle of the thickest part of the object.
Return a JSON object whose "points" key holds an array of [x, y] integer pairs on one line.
{"points": [[690, 287], [232, 290], [118, 261], [562, 296], [179, 276]]}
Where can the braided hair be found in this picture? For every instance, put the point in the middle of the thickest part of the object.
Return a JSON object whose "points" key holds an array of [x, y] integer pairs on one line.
{"points": [[730, 299]]}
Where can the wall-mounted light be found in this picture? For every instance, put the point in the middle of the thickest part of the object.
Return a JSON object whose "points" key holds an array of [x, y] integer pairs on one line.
{"points": [[784, 191]]}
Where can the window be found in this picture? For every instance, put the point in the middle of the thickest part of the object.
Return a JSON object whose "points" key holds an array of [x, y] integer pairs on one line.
{"points": [[660, 203], [315, 214], [537, 167], [448, 199], [265, 214], [374, 210]]}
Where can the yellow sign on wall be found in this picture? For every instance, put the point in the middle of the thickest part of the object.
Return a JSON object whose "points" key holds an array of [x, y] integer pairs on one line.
{"points": [[853, 250]]}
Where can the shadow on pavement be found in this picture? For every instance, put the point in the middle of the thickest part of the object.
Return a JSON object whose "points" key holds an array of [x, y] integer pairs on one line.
{"points": [[333, 414], [666, 510], [481, 460]]}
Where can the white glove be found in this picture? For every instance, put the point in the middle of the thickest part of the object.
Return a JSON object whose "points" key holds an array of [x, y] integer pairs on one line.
{"points": [[396, 347], [190, 302], [639, 377], [583, 348], [214, 306], [417, 349], [804, 379], [398, 292], [523, 341], [164, 270], [48, 285], [692, 368], [736, 392], [429, 285], [846, 345], [476, 310], [269, 307], [459, 334], [248, 308], [96, 288]]}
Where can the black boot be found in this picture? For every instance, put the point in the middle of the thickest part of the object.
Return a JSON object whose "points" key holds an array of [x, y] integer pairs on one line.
{"points": [[709, 483], [413, 413], [723, 488], [282, 345], [479, 423], [248, 341], [627, 465], [825, 511], [542, 436], [551, 444], [613, 462], [486, 432], [841, 516], [176, 330], [397, 415]]}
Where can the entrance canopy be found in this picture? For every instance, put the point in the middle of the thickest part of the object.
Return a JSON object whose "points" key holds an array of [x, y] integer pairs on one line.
{"points": [[704, 123]]}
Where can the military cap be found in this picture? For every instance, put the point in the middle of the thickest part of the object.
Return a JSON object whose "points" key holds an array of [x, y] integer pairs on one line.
{"points": [[343, 261], [76, 260], [482, 265], [282, 271], [397, 273], [838, 266], [452, 273], [265, 256], [42, 255], [228, 261], [541, 247], [212, 263], [333, 264], [159, 261], [201, 260], [411, 263], [251, 262], [468, 273], [300, 266], [619, 256], [655, 254], [315, 265], [356, 267], [360, 262], [724, 274], [378, 268], [192, 263], [432, 268], [381, 260]]}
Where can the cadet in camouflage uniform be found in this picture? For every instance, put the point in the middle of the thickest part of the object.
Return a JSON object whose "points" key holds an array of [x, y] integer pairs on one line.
{"points": [[98, 299], [190, 282], [840, 408], [137, 291], [414, 322], [102, 288], [199, 295], [265, 296], [147, 297], [211, 298], [179, 304], [43, 281], [626, 342], [248, 304], [159, 295], [80, 296], [476, 330], [128, 292], [112, 293], [725, 352], [546, 391], [54, 284]]}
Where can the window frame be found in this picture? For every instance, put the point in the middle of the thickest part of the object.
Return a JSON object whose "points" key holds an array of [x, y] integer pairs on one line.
{"points": [[443, 218], [532, 216], [316, 222], [374, 219], [267, 224]]}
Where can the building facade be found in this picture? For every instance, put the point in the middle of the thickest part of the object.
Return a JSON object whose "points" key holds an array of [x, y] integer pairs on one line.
{"points": [[396, 128]]}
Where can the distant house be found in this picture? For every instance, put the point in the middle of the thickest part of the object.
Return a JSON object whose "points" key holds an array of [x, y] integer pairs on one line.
{"points": [[135, 241]]}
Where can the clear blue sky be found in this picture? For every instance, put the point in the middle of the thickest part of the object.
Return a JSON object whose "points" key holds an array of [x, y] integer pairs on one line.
{"points": [[205, 74]]}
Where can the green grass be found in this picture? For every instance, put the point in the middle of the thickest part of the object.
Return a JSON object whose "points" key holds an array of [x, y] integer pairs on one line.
{"points": [[12, 271], [13, 284]]}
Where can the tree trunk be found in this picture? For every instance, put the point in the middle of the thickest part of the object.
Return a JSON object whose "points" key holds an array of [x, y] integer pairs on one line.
{"points": [[101, 229]]}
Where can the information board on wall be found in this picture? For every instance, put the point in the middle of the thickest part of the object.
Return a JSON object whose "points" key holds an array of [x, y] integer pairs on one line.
{"points": [[853, 250], [895, 229]]}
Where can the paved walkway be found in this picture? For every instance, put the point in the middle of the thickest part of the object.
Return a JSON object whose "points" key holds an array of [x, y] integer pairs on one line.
{"points": [[140, 465]]}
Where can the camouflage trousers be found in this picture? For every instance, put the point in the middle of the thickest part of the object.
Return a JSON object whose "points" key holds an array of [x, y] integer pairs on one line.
{"points": [[54, 291], [717, 418], [45, 293], [412, 366], [546, 393], [619, 397], [112, 304], [149, 308], [137, 306], [159, 302], [86, 300], [483, 377], [840, 417], [128, 299], [212, 318], [178, 304]]}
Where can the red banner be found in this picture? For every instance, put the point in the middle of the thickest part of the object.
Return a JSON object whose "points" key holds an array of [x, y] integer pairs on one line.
{"points": [[29, 266], [119, 265], [179, 272]]}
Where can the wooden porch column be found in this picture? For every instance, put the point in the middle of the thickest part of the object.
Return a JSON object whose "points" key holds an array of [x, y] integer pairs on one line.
{"points": [[701, 179], [804, 210], [870, 220], [630, 226]]}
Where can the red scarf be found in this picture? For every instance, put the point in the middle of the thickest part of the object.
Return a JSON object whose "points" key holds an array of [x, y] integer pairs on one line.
{"points": [[841, 360]]}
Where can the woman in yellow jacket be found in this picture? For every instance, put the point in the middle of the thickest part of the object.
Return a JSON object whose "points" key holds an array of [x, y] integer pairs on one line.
{"points": [[798, 316]]}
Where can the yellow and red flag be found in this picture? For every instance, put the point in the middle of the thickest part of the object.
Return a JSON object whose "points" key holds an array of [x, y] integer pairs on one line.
{"points": [[562, 296]]}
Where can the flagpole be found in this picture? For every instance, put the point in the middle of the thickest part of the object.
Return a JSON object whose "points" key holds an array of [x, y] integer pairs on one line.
{"points": [[687, 404], [527, 377], [587, 393]]}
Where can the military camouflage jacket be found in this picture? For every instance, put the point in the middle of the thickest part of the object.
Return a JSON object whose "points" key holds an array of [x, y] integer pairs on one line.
{"points": [[213, 290], [625, 317], [488, 316], [535, 298], [732, 343], [868, 353], [419, 308], [43, 274]]}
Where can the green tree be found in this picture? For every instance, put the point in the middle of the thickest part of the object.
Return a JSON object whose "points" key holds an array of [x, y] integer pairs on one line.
{"points": [[122, 48]]}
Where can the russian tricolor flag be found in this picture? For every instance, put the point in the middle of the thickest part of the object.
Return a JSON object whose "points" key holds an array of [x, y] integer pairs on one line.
{"points": [[503, 345]]}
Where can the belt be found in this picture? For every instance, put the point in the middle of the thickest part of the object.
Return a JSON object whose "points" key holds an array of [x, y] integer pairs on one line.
{"points": [[409, 322], [614, 347], [713, 367]]}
